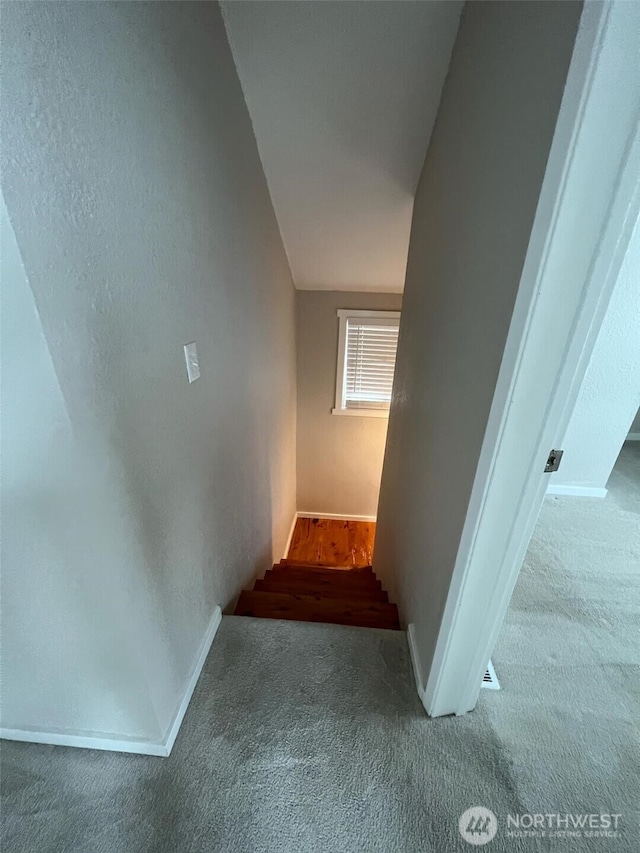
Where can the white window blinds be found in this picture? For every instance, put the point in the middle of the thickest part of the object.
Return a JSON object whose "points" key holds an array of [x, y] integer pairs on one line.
{"points": [[370, 361]]}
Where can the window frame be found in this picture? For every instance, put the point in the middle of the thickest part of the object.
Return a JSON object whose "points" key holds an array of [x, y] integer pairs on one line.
{"points": [[345, 314]]}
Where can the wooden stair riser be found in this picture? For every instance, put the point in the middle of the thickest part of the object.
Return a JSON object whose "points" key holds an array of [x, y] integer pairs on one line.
{"points": [[343, 580], [319, 589], [268, 605], [327, 575], [302, 564]]}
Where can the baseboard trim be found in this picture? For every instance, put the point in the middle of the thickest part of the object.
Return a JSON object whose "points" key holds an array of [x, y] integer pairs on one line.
{"points": [[290, 539], [577, 491], [116, 743], [207, 641], [633, 436], [89, 741], [415, 663], [337, 515]]}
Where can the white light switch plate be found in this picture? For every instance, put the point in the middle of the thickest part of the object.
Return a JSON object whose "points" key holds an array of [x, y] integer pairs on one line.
{"points": [[191, 357]]}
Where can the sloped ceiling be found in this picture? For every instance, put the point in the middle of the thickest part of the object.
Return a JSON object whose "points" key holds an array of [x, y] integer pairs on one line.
{"points": [[343, 96]]}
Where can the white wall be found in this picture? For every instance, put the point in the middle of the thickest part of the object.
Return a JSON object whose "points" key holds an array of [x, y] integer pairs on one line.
{"points": [[610, 394], [472, 220], [339, 458], [60, 601], [141, 212]]}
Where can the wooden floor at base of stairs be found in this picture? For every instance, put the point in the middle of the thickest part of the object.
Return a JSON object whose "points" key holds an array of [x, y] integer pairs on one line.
{"points": [[333, 542]]}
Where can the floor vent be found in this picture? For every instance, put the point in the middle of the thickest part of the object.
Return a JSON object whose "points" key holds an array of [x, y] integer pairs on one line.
{"points": [[490, 679]]}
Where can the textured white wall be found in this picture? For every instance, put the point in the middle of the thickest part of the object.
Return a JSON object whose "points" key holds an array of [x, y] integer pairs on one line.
{"points": [[472, 221], [60, 598], [610, 393], [339, 458], [142, 215]]}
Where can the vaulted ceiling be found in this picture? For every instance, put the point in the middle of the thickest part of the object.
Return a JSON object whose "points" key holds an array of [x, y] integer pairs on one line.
{"points": [[343, 96]]}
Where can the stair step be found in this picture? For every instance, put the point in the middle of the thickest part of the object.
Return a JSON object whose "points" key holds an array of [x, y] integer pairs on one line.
{"points": [[275, 582], [307, 565], [363, 573], [325, 577], [308, 608]]}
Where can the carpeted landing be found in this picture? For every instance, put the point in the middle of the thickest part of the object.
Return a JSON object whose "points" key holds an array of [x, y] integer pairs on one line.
{"points": [[310, 737]]}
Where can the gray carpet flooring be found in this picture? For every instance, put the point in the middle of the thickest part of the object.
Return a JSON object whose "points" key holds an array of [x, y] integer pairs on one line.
{"points": [[306, 737]]}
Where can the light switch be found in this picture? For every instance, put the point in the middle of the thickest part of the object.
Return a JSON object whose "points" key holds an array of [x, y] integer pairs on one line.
{"points": [[191, 357]]}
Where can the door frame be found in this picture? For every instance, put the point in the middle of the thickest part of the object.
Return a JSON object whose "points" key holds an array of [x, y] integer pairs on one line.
{"points": [[589, 202]]}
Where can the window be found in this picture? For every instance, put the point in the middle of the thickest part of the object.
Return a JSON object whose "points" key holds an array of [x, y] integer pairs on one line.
{"points": [[367, 345]]}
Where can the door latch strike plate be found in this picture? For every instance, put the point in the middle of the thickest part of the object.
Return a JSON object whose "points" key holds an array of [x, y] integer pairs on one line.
{"points": [[553, 462]]}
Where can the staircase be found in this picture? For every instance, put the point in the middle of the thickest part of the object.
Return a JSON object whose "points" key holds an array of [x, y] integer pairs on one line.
{"points": [[312, 592]]}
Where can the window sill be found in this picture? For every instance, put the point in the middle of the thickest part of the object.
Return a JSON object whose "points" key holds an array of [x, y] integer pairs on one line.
{"points": [[362, 413]]}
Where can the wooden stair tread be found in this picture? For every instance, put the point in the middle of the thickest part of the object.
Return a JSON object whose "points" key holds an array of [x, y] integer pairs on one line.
{"points": [[322, 572], [322, 579], [350, 586], [326, 576], [308, 608], [273, 582], [300, 564]]}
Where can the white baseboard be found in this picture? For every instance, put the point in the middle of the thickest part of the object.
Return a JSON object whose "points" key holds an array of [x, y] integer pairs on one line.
{"points": [[289, 540], [205, 646], [89, 741], [633, 436], [415, 662], [577, 491], [337, 515], [117, 743]]}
